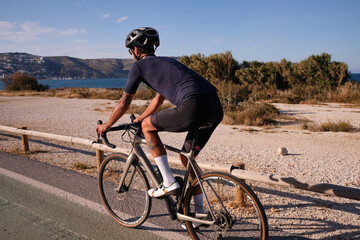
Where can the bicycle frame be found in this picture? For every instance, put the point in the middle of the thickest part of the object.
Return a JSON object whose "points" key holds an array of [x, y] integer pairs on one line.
{"points": [[137, 154]]}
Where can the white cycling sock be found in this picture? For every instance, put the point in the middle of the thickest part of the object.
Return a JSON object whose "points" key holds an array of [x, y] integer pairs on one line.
{"points": [[199, 203], [164, 168]]}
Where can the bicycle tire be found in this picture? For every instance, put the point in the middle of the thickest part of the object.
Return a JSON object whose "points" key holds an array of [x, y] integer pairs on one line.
{"points": [[132, 205], [236, 217]]}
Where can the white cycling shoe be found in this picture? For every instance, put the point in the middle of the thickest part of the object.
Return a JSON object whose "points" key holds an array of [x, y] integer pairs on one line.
{"points": [[162, 191]]}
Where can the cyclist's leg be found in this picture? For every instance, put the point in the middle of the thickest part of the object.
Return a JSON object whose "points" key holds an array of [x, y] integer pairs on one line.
{"points": [[189, 115], [209, 111], [152, 138], [158, 152], [171, 120]]}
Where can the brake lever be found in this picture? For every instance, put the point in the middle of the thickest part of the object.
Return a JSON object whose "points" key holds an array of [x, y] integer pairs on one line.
{"points": [[137, 126], [132, 117], [107, 141], [104, 137]]}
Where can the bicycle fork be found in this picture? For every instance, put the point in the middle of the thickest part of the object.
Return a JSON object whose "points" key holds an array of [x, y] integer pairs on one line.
{"points": [[128, 163]]}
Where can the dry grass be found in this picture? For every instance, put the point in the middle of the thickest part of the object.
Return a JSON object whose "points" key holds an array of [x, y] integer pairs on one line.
{"points": [[20, 151], [252, 114], [87, 93], [139, 109], [339, 126], [81, 166], [26, 93], [134, 109]]}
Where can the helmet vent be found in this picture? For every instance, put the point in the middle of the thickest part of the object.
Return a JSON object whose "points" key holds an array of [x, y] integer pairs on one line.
{"points": [[151, 32]]}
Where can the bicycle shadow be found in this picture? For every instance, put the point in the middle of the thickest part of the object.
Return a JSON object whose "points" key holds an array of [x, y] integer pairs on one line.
{"points": [[301, 228], [305, 226], [353, 208], [313, 227]]}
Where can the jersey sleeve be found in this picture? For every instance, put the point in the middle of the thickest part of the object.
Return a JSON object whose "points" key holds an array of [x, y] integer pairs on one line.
{"points": [[134, 79]]}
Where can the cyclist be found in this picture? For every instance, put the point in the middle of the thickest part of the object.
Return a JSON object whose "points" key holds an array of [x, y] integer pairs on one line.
{"points": [[196, 102]]}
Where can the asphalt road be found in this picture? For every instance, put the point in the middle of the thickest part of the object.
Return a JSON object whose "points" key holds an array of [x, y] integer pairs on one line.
{"points": [[41, 201]]}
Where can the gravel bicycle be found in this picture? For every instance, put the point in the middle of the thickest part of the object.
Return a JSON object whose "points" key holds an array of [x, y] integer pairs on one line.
{"points": [[232, 209]]}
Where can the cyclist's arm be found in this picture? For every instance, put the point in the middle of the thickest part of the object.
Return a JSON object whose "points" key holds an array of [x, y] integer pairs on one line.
{"points": [[152, 108], [120, 109]]}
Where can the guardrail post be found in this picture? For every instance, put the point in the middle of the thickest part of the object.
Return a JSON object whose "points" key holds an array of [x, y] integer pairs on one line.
{"points": [[239, 195], [99, 156], [25, 141]]}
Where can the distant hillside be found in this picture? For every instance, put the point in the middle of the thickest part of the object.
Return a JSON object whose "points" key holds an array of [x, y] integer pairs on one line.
{"points": [[63, 66], [87, 68]]}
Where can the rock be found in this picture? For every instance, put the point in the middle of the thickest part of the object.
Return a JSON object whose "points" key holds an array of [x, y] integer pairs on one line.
{"points": [[281, 151]]}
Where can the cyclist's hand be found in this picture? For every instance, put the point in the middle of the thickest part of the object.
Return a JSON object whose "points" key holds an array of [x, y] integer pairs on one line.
{"points": [[138, 120], [102, 128]]}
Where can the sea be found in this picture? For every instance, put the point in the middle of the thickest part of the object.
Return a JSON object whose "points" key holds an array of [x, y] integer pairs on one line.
{"points": [[85, 83], [355, 76], [104, 82]]}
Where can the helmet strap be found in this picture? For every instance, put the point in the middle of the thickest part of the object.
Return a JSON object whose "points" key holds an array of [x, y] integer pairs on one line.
{"points": [[138, 57]]}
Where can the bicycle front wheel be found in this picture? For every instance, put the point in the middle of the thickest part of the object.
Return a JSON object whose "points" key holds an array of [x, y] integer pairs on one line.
{"points": [[130, 203], [236, 210]]}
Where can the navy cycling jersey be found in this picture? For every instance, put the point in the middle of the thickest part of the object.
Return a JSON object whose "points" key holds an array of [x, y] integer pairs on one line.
{"points": [[168, 77]]}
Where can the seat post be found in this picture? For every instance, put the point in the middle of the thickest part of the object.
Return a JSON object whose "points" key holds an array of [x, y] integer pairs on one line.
{"points": [[193, 145]]}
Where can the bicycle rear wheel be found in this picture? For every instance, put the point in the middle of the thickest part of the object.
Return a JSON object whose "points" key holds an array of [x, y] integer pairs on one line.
{"points": [[131, 205], [237, 210]]}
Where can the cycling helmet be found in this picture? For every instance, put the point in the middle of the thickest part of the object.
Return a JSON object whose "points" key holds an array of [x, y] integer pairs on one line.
{"points": [[143, 38]]}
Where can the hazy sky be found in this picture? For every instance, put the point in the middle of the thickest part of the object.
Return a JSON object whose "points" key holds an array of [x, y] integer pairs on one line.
{"points": [[252, 30]]}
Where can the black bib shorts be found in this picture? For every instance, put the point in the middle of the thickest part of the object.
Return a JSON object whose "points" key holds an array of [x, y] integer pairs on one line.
{"points": [[190, 115]]}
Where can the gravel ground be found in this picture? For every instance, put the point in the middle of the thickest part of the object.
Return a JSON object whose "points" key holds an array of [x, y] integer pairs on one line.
{"points": [[331, 157]]}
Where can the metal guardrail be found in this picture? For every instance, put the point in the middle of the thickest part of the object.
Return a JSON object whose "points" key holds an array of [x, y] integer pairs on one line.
{"points": [[325, 188]]}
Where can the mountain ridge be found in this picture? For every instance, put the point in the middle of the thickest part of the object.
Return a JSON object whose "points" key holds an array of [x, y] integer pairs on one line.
{"points": [[53, 67]]}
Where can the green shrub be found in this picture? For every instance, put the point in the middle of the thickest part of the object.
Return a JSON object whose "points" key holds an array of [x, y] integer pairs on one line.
{"points": [[20, 81], [315, 79], [231, 95]]}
